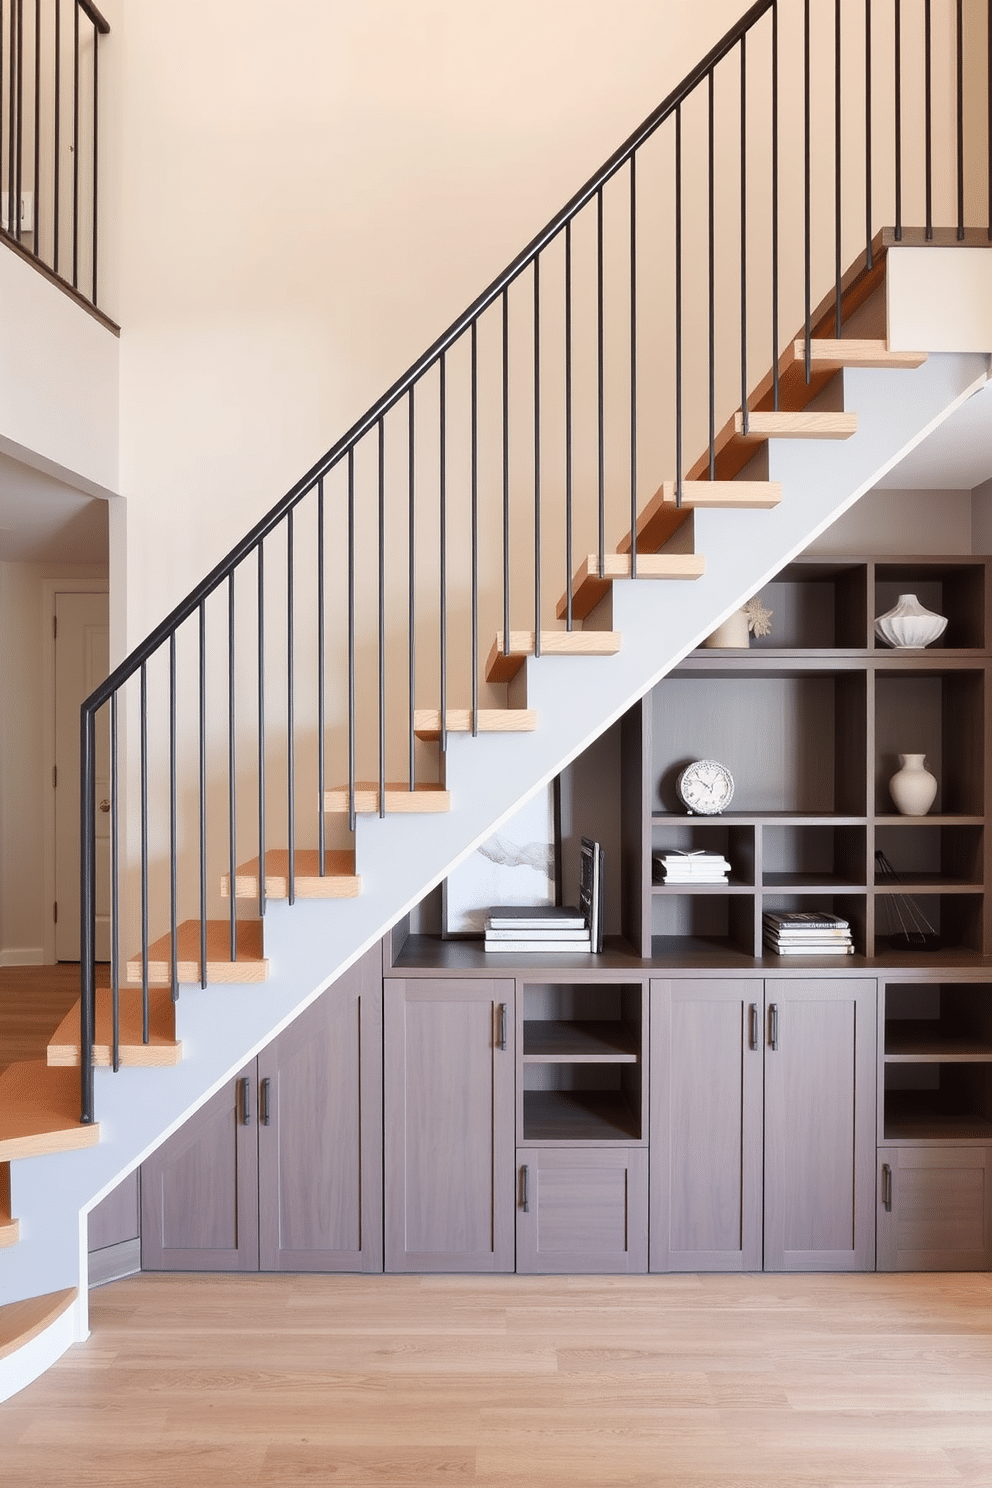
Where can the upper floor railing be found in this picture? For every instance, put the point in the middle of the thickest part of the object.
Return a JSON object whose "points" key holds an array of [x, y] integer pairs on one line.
{"points": [[607, 357], [50, 138]]}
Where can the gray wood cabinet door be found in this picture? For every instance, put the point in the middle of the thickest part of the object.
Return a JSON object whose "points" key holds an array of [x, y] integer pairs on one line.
{"points": [[449, 1108], [320, 1132], [706, 1072], [934, 1208], [819, 1125], [199, 1191], [582, 1209]]}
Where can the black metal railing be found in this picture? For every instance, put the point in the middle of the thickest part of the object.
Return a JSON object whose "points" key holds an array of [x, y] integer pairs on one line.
{"points": [[608, 356], [50, 137]]}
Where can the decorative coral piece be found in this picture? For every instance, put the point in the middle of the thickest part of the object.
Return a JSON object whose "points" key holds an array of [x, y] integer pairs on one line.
{"points": [[759, 617]]}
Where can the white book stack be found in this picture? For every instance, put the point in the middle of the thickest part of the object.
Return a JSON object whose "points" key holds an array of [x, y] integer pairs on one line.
{"points": [[800, 932], [697, 867], [543, 928]]}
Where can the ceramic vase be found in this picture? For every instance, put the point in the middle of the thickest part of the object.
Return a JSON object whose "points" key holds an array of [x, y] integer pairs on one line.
{"points": [[732, 634], [912, 787], [910, 624]]}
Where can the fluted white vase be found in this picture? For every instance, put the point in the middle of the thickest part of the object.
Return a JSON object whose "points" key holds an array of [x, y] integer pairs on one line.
{"points": [[912, 787], [910, 624]]}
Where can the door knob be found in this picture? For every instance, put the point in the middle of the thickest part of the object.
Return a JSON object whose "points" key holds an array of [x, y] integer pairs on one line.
{"points": [[104, 805]]}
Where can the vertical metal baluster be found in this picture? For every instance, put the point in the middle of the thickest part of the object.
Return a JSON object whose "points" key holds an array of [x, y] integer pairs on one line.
{"points": [[807, 217], [321, 686], [19, 182], [959, 59], [745, 412], [537, 455], [87, 912], [115, 907], [868, 159], [506, 474], [261, 728], [475, 526], [173, 829], [568, 423], [411, 586], [678, 305], [711, 207], [36, 236], [382, 618], [928, 118], [290, 718], [12, 133], [3, 98], [633, 367], [143, 707], [203, 790], [232, 815], [601, 390], [96, 131], [898, 117], [775, 350], [351, 638], [988, 113], [57, 141], [443, 544], [838, 165], [75, 145]]}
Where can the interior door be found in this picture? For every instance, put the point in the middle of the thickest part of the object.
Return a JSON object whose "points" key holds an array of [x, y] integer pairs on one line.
{"points": [[82, 660]]}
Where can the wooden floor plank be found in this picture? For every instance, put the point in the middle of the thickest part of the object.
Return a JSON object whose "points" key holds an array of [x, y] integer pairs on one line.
{"points": [[690, 1381]]}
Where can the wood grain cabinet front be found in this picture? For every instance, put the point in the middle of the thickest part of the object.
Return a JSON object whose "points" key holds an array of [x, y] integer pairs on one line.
{"points": [[582, 1209], [281, 1170], [934, 1208], [449, 1108]]}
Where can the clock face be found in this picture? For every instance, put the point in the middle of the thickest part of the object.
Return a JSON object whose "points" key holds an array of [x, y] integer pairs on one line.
{"points": [[706, 787]]}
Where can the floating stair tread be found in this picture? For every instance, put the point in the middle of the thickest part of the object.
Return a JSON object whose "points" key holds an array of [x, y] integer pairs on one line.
{"points": [[251, 965], [22, 1321], [427, 721], [399, 798], [39, 1112], [831, 356], [162, 1049], [810, 423], [588, 588], [501, 667], [10, 1228], [662, 516], [339, 879]]}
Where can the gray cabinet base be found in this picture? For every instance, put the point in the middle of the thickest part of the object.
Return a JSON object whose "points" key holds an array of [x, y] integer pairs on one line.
{"points": [[582, 1210], [934, 1208]]}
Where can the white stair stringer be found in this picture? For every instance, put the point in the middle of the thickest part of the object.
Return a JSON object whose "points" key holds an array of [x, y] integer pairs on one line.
{"points": [[401, 857]]}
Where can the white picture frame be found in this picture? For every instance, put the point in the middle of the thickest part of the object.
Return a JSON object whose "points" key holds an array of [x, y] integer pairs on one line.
{"points": [[516, 865]]}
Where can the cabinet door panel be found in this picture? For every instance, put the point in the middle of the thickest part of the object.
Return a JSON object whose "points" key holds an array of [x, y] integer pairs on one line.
{"points": [[449, 1106], [199, 1191], [706, 1118], [586, 1210], [320, 1154], [940, 1217], [819, 1135]]}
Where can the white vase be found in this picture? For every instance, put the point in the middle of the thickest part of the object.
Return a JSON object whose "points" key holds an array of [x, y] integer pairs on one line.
{"points": [[910, 624], [733, 634], [912, 787]]}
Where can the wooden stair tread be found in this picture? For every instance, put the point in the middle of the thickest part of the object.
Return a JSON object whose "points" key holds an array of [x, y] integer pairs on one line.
{"points": [[338, 881], [22, 1321], [427, 721], [251, 965], [662, 517], [161, 1050], [10, 1228], [399, 798], [831, 355], [501, 667], [39, 1112], [588, 588], [808, 423]]}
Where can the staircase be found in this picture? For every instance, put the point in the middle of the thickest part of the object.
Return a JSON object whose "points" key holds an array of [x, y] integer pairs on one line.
{"points": [[837, 411]]}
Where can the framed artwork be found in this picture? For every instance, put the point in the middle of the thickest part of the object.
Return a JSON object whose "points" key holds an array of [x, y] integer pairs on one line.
{"points": [[517, 865]]}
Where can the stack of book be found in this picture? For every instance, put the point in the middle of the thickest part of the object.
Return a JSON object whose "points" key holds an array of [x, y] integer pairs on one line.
{"points": [[800, 932], [698, 867], [545, 928]]}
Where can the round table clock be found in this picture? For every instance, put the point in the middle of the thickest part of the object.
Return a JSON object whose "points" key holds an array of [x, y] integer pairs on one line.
{"points": [[705, 787]]}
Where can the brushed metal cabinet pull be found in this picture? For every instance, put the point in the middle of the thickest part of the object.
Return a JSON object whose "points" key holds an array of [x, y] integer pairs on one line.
{"points": [[502, 1025], [753, 1035], [263, 1101], [245, 1102], [886, 1187], [773, 1021], [525, 1188]]}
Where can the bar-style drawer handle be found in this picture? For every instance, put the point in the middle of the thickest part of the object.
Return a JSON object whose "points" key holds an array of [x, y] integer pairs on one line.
{"points": [[887, 1187], [245, 1102], [263, 1101], [753, 1036], [773, 1024], [502, 1025], [525, 1188]]}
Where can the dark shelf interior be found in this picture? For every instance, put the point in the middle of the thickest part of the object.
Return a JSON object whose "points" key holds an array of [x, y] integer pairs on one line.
{"points": [[929, 1116], [915, 1040], [579, 1116], [565, 1041]]}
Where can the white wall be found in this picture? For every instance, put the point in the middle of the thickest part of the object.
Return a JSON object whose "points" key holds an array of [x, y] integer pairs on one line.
{"points": [[885, 521]]}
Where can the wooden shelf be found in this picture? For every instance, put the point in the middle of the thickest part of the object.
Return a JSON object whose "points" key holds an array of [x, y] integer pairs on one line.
{"points": [[578, 1116], [557, 1041], [733, 887], [920, 1116], [926, 883], [810, 883], [925, 1041]]}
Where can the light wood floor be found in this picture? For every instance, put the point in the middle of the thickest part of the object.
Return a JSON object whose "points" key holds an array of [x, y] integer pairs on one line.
{"points": [[728, 1382]]}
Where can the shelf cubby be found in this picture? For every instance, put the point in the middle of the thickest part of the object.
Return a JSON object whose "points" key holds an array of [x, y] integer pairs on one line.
{"points": [[937, 1061], [937, 1103], [939, 714], [820, 858], [714, 835], [955, 588], [579, 1114], [816, 607], [933, 853], [958, 918]]}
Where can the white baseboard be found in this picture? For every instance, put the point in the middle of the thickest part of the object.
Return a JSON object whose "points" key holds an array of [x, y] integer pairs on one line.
{"points": [[22, 956]]}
